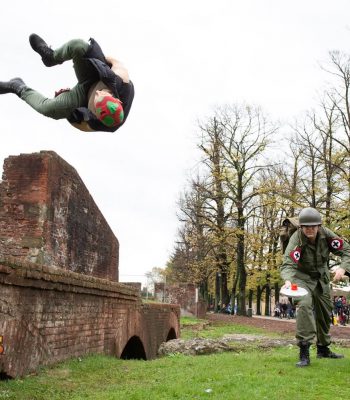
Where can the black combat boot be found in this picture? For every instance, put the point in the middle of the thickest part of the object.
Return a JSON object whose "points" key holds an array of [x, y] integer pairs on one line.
{"points": [[304, 354], [15, 85], [325, 352], [40, 46]]}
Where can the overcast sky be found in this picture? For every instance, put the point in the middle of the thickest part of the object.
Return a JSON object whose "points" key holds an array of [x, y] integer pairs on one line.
{"points": [[184, 57]]}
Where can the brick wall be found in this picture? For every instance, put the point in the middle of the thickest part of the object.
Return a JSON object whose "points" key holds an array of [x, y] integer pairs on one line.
{"points": [[47, 216], [51, 314], [59, 295], [136, 285]]}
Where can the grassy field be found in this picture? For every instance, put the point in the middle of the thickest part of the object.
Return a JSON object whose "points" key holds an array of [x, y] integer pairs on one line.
{"points": [[251, 374]]}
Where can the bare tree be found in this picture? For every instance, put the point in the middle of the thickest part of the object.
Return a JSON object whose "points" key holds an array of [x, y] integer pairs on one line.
{"points": [[218, 207], [308, 142], [194, 245], [246, 133], [326, 123]]}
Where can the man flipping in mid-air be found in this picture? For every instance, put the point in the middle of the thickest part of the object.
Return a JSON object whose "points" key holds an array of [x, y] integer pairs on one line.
{"points": [[100, 101]]}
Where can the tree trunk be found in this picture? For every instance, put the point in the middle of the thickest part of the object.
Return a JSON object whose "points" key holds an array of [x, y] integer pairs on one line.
{"points": [[233, 295], [250, 298], [217, 292], [203, 290], [258, 300], [224, 290], [242, 276], [277, 292], [267, 299]]}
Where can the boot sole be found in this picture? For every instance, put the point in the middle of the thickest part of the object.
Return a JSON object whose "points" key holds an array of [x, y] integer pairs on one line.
{"points": [[334, 358]]}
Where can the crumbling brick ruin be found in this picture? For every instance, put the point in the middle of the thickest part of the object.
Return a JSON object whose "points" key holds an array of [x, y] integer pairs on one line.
{"points": [[47, 216], [184, 294], [59, 290]]}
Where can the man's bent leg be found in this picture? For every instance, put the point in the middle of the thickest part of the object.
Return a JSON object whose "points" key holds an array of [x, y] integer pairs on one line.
{"points": [[73, 50], [59, 107], [76, 50], [306, 328], [323, 309]]}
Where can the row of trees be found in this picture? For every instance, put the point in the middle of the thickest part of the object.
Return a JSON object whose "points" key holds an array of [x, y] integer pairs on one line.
{"points": [[247, 182]]}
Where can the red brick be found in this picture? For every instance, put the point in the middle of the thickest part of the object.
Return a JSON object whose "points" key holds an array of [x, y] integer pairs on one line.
{"points": [[54, 303]]}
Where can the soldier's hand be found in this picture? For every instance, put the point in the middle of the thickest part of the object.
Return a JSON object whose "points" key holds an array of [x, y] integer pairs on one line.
{"points": [[339, 274]]}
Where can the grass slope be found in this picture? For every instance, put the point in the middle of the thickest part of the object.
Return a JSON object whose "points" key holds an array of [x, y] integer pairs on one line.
{"points": [[251, 374]]}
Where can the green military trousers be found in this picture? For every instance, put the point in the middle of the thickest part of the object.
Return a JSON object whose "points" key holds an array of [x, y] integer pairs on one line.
{"points": [[314, 315], [64, 104]]}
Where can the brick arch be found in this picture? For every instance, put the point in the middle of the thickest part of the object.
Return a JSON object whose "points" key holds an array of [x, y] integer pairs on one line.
{"points": [[134, 349], [171, 335], [173, 326], [164, 326]]}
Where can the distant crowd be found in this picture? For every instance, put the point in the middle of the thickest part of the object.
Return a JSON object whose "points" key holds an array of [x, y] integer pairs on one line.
{"points": [[340, 313], [284, 309]]}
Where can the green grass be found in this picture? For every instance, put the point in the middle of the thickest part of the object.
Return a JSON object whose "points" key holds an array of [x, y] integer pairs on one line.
{"points": [[252, 374], [214, 331], [189, 321]]}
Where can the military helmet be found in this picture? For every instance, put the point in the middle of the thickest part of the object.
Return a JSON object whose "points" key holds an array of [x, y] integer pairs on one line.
{"points": [[309, 216]]}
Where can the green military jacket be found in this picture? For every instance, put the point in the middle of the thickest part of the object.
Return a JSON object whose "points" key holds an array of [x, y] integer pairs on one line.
{"points": [[307, 263]]}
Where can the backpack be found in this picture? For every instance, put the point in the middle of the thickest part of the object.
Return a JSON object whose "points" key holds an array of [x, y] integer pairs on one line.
{"points": [[288, 227]]}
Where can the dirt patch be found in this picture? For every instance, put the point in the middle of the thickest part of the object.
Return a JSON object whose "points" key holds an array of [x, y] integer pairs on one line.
{"points": [[285, 329], [282, 326]]}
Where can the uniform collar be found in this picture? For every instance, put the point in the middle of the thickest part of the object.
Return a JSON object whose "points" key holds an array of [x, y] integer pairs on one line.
{"points": [[322, 233]]}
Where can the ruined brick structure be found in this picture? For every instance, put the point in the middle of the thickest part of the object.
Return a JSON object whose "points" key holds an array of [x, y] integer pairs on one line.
{"points": [[184, 294], [47, 216], [59, 295]]}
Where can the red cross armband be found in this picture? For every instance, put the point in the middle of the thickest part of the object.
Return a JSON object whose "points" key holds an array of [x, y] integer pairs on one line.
{"points": [[335, 244], [295, 255]]}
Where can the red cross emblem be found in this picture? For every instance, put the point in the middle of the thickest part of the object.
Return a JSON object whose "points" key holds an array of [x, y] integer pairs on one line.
{"points": [[295, 255]]}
